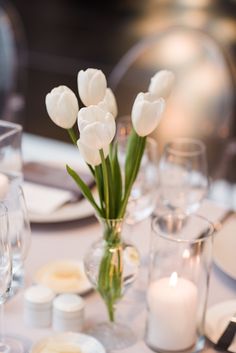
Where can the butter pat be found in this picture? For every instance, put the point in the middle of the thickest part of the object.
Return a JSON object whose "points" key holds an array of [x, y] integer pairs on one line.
{"points": [[38, 306], [68, 313]]}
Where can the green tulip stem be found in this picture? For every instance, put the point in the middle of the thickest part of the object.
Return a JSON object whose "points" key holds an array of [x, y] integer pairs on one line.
{"points": [[106, 181], [72, 135]]}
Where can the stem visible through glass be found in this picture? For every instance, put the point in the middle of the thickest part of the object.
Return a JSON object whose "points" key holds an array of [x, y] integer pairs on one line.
{"points": [[110, 278]]}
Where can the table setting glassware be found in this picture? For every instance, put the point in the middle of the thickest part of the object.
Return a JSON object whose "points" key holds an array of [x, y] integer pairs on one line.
{"points": [[111, 264], [183, 175], [10, 151], [143, 196], [19, 235], [7, 344], [178, 285]]}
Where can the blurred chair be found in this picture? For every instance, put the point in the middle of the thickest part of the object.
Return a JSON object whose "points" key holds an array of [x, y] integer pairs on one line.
{"points": [[202, 102], [12, 64]]}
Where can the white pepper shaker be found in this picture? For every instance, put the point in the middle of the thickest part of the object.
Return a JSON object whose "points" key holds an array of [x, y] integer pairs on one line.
{"points": [[68, 313], [38, 306]]}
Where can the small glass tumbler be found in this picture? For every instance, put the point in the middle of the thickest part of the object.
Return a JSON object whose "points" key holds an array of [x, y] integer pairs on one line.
{"points": [[10, 151], [178, 284]]}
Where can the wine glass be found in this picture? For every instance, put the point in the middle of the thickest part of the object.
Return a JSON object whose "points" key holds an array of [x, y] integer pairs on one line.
{"points": [[143, 195], [183, 175]]}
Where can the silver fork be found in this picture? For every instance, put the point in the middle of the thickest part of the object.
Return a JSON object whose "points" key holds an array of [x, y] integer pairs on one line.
{"points": [[228, 335]]}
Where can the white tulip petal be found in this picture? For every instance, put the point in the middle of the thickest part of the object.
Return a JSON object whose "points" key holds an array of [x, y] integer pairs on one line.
{"points": [[146, 113], [4, 186], [62, 106], [109, 103], [91, 86], [91, 155], [97, 127], [162, 83]]}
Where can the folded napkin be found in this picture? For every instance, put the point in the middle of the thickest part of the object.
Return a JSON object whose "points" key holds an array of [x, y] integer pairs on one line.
{"points": [[53, 176], [44, 199], [47, 188]]}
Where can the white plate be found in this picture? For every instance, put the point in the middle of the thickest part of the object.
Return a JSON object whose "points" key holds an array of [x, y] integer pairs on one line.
{"points": [[64, 276], [217, 319], [68, 212], [224, 248], [69, 342]]}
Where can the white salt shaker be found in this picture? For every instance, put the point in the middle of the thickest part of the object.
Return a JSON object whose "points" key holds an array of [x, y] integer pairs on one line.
{"points": [[68, 313], [38, 306]]}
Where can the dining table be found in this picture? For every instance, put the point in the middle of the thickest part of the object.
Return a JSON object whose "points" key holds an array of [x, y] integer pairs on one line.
{"points": [[52, 241]]}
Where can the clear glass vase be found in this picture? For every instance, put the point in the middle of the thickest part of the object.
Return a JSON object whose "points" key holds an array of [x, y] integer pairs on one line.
{"points": [[112, 266]]}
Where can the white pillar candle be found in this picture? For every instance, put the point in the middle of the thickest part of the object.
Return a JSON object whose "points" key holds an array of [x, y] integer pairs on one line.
{"points": [[172, 317]]}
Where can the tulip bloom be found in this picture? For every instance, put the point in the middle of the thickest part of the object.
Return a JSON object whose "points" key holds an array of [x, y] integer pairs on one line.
{"points": [[109, 103], [92, 86], [161, 84], [91, 155], [97, 127], [62, 106], [146, 113]]}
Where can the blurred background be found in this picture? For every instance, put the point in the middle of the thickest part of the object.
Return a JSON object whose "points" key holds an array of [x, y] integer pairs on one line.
{"points": [[45, 43]]}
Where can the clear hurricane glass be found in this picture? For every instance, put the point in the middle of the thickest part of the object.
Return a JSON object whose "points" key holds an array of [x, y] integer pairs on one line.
{"points": [[178, 284], [112, 266], [183, 175]]}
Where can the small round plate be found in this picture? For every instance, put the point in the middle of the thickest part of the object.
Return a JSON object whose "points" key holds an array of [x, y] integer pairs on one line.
{"points": [[217, 319], [68, 342], [64, 276]]}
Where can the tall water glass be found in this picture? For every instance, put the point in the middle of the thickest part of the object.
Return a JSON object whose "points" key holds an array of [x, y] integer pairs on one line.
{"points": [[10, 151], [5, 271], [19, 234], [178, 284], [183, 175]]}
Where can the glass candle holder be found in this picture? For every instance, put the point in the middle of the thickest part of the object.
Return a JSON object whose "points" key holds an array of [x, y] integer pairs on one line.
{"points": [[178, 284]]}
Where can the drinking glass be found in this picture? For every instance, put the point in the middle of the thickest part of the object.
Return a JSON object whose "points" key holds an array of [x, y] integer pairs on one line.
{"points": [[183, 175], [178, 284], [144, 191], [10, 151], [19, 234]]}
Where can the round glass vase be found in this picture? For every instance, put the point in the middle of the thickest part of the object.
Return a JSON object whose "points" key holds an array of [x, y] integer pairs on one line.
{"points": [[178, 284], [112, 266]]}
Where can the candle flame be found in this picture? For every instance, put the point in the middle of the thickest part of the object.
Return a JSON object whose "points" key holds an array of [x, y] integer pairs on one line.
{"points": [[173, 279], [186, 254]]}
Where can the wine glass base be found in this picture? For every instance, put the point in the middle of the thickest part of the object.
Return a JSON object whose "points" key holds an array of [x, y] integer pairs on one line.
{"points": [[113, 335]]}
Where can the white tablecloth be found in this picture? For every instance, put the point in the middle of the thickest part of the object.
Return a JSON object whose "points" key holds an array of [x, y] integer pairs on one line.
{"points": [[72, 241]]}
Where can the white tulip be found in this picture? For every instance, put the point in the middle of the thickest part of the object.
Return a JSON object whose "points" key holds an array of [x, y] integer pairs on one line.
{"points": [[97, 127], [92, 86], [162, 83], [62, 106], [4, 186], [91, 155], [146, 113], [109, 103]]}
